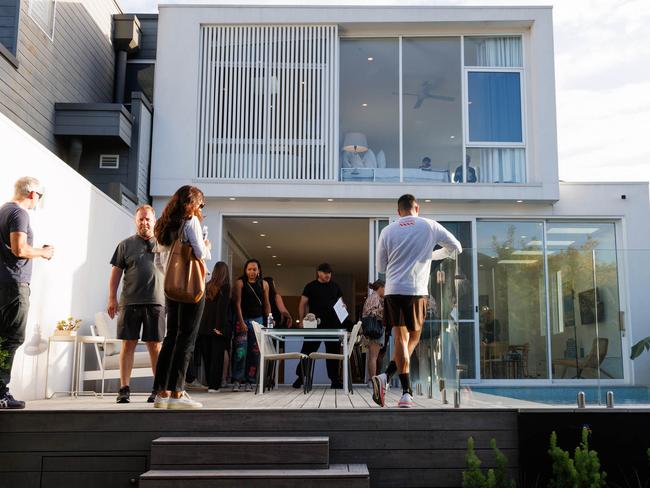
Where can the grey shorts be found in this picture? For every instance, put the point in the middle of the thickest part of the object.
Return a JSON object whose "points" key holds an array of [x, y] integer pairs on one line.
{"points": [[148, 318]]}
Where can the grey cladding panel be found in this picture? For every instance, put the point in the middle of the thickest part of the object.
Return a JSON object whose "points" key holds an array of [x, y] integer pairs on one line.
{"points": [[149, 38]]}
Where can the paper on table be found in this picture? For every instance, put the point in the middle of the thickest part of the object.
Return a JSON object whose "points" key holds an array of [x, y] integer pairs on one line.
{"points": [[341, 311]]}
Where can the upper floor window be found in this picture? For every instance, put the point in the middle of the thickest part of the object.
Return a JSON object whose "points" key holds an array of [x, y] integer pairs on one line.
{"points": [[402, 116], [9, 17], [495, 142], [43, 13]]}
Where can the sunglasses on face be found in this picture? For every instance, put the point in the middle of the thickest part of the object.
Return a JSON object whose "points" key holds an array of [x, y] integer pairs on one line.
{"points": [[201, 206]]}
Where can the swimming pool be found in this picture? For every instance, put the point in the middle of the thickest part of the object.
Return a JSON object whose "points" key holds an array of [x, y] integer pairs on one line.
{"points": [[566, 395]]}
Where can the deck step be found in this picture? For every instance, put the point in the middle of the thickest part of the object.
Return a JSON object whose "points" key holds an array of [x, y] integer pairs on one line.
{"points": [[239, 452], [342, 475]]}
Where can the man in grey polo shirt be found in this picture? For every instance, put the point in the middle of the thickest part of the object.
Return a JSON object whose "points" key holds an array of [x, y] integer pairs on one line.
{"points": [[16, 255], [142, 301]]}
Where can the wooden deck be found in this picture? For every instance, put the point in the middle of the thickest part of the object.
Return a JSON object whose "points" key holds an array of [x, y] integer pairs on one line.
{"points": [[94, 442], [284, 397]]}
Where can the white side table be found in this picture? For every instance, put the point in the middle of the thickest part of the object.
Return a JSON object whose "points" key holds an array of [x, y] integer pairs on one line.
{"points": [[70, 339]]}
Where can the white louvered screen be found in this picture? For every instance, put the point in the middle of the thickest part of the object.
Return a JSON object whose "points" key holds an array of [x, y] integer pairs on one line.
{"points": [[267, 99]]}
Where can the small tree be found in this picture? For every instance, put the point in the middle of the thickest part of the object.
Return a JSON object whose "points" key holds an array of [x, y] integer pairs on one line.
{"points": [[583, 471], [473, 477]]}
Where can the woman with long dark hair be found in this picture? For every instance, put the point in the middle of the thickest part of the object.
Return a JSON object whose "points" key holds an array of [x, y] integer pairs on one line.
{"points": [[251, 298], [181, 219], [215, 331], [374, 307]]}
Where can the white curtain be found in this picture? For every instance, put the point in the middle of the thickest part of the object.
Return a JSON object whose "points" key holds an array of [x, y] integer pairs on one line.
{"points": [[504, 52], [502, 165]]}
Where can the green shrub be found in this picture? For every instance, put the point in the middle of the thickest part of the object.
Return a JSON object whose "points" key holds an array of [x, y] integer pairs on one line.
{"points": [[583, 471], [473, 476]]}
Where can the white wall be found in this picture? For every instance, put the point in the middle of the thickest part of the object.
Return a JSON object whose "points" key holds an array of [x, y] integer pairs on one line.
{"points": [[177, 80], [84, 225]]}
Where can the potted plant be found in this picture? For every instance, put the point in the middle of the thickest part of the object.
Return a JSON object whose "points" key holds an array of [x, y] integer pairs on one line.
{"points": [[68, 326]]}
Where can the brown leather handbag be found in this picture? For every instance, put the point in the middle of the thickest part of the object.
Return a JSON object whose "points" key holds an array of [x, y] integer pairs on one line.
{"points": [[185, 276]]}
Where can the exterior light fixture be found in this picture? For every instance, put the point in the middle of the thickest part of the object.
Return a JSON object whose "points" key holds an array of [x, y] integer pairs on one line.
{"points": [[255, 222], [268, 247], [330, 199], [262, 235], [232, 199], [371, 58]]}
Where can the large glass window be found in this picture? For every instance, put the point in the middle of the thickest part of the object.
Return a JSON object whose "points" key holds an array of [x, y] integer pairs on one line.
{"points": [[584, 300], [369, 110], [512, 300], [432, 108]]}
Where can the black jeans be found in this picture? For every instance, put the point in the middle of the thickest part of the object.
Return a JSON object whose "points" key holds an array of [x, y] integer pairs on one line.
{"points": [[209, 351], [332, 347], [14, 305], [183, 321]]}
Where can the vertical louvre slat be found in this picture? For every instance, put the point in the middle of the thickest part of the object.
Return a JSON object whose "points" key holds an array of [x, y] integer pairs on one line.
{"points": [[267, 99]]}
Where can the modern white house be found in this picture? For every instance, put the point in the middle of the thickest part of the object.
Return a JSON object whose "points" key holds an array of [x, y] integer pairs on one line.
{"points": [[303, 125]]}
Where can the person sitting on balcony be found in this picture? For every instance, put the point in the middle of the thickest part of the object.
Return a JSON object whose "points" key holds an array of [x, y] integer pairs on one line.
{"points": [[142, 301], [471, 172]]}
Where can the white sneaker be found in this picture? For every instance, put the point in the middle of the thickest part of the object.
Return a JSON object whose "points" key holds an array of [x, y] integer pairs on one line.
{"points": [[184, 402], [406, 401], [248, 387], [236, 386], [160, 402], [212, 390], [196, 385]]}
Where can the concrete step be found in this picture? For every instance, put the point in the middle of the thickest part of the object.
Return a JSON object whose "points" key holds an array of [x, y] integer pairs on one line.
{"points": [[339, 475], [239, 452]]}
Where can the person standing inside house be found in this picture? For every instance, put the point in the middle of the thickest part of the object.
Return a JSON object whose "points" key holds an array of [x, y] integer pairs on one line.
{"points": [[251, 298], [16, 256], [141, 306], [374, 307], [404, 253], [181, 218], [319, 297], [215, 331], [281, 316]]}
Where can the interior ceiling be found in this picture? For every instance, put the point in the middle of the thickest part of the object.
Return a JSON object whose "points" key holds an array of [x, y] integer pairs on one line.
{"points": [[304, 242]]}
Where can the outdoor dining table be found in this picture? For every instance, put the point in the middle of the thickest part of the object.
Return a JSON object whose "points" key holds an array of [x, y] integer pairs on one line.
{"points": [[304, 334]]}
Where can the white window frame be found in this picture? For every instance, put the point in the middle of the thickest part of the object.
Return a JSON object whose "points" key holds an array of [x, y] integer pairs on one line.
{"points": [[103, 165], [50, 35]]}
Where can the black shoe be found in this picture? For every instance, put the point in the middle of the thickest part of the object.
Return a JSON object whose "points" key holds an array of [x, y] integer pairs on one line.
{"points": [[298, 383], [152, 397], [336, 385], [9, 402], [123, 396]]}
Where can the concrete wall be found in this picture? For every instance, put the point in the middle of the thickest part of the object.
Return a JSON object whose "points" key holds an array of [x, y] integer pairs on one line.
{"points": [[84, 225], [76, 65], [176, 97]]}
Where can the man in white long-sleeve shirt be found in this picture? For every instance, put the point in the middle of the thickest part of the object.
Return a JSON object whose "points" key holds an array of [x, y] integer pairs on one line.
{"points": [[404, 253]]}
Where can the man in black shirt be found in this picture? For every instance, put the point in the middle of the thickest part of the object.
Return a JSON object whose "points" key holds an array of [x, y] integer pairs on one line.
{"points": [[319, 296], [16, 256]]}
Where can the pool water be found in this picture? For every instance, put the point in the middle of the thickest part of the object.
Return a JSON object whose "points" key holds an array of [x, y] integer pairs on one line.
{"points": [[566, 395]]}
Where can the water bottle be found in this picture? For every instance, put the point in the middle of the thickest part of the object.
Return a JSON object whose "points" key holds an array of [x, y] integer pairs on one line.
{"points": [[205, 232], [269, 321]]}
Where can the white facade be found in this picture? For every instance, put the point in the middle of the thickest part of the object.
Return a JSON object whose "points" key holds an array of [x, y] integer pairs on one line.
{"points": [[284, 189]]}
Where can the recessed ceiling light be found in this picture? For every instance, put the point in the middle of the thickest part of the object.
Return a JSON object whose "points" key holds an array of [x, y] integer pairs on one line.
{"points": [[452, 137], [279, 264], [520, 201], [428, 200], [330, 199], [232, 199], [371, 58], [274, 256], [255, 222], [364, 104], [268, 247], [262, 235]]}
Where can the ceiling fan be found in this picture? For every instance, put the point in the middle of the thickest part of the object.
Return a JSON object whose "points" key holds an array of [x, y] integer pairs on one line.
{"points": [[427, 90]]}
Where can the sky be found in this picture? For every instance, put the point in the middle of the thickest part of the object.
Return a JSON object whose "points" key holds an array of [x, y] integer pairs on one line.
{"points": [[602, 77]]}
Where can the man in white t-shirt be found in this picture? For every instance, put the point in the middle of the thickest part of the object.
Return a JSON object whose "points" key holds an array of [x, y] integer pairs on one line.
{"points": [[404, 253]]}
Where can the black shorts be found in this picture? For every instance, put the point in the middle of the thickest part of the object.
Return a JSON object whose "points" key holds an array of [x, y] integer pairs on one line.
{"points": [[151, 318], [405, 311]]}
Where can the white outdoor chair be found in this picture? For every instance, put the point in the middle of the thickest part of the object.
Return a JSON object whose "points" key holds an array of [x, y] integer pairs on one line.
{"points": [[340, 357], [107, 352], [272, 355]]}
